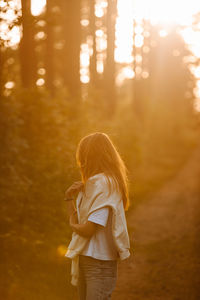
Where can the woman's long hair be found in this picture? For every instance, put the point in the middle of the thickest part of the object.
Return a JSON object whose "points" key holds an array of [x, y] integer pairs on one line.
{"points": [[97, 154]]}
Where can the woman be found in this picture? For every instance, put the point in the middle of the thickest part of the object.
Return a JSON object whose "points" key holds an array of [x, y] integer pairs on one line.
{"points": [[100, 237]]}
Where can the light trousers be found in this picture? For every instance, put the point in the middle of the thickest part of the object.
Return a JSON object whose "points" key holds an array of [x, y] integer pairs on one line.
{"points": [[97, 278]]}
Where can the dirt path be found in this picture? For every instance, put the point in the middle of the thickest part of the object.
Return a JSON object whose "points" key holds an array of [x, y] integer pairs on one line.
{"points": [[165, 234]]}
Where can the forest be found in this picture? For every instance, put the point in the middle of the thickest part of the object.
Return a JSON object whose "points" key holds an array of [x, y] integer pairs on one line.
{"points": [[73, 68]]}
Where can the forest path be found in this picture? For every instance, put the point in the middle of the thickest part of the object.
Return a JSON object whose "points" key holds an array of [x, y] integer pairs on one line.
{"points": [[164, 233]]}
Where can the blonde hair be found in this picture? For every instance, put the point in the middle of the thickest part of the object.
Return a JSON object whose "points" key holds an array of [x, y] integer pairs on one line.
{"points": [[95, 154]]}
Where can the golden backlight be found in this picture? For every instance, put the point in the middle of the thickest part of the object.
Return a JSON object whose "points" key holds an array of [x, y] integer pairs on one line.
{"points": [[162, 12]]}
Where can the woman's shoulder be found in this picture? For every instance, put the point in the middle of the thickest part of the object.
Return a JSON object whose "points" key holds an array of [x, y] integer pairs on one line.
{"points": [[100, 179], [97, 177], [102, 182], [96, 184]]}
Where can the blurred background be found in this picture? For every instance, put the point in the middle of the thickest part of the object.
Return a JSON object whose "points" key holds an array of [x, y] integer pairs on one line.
{"points": [[130, 68]]}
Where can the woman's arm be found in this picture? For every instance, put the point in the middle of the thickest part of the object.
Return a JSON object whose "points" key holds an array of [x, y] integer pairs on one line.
{"points": [[85, 230], [70, 208], [70, 194]]}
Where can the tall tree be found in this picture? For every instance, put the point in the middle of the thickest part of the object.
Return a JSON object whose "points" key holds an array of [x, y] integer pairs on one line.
{"points": [[49, 57], [93, 59], [1, 68], [27, 46], [140, 86], [71, 49], [110, 62]]}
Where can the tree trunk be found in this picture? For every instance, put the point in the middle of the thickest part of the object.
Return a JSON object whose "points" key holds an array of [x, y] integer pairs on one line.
{"points": [[49, 57], [93, 59], [1, 69], [110, 62], [71, 50], [27, 47]]}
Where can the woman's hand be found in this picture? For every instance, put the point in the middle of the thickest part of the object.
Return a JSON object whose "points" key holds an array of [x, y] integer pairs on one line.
{"points": [[73, 190], [71, 193]]}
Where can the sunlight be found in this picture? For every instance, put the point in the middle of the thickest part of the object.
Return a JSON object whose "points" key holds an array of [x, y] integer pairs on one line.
{"points": [[41, 71], [161, 11], [100, 8], [84, 57], [100, 66], [197, 72], [101, 42], [197, 94], [10, 14], [197, 105], [124, 32], [125, 73], [10, 34], [156, 11], [40, 82], [9, 85], [85, 22], [84, 63], [61, 250], [37, 7], [130, 29], [163, 33], [139, 40], [130, 32], [14, 35]]}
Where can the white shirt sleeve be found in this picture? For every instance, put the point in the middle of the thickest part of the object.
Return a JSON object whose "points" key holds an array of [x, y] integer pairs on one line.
{"points": [[100, 216]]}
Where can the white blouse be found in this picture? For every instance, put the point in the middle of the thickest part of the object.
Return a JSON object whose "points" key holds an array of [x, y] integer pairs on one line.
{"points": [[101, 244]]}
